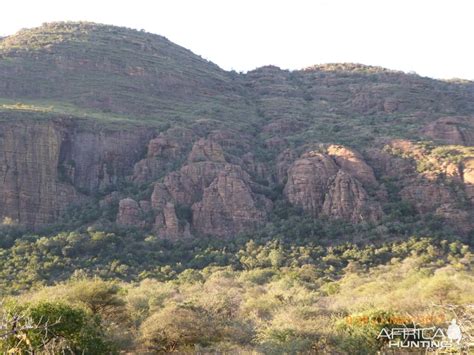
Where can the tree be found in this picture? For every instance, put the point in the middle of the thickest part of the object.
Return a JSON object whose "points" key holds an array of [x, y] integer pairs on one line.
{"points": [[52, 328]]}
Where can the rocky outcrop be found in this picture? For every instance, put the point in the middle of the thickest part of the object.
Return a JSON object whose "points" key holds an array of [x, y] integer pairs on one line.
{"points": [[163, 153], [46, 166], [468, 177], [229, 206], [94, 160], [257, 169], [218, 195], [426, 196], [129, 213], [346, 199], [457, 130], [321, 187], [187, 185], [308, 180], [353, 163], [168, 225], [283, 163], [33, 190], [206, 150]]}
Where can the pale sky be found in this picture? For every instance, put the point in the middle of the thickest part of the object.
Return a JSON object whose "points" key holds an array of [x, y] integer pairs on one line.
{"points": [[431, 37]]}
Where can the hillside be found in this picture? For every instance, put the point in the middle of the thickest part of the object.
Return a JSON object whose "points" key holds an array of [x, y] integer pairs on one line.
{"points": [[159, 203], [88, 108]]}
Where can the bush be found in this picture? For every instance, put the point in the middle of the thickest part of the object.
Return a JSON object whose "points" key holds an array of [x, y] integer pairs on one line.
{"points": [[53, 328]]}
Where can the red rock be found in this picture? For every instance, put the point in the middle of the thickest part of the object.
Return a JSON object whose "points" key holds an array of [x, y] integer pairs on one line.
{"points": [[228, 206], [129, 213]]}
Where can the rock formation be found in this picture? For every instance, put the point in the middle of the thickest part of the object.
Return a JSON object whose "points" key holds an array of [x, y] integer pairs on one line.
{"points": [[322, 185], [353, 163], [47, 166], [168, 225], [468, 177], [129, 213], [455, 130], [206, 150], [346, 199], [308, 180], [183, 148], [32, 191], [228, 205]]}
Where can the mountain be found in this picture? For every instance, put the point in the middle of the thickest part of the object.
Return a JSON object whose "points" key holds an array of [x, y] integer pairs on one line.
{"points": [[132, 131], [153, 202]]}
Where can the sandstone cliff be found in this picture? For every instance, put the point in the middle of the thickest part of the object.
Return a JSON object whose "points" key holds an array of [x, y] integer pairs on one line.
{"points": [[48, 166], [156, 138], [325, 185]]}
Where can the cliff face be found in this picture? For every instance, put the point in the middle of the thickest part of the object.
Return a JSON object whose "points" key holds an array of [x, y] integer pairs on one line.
{"points": [[169, 143], [31, 191], [47, 166], [330, 184]]}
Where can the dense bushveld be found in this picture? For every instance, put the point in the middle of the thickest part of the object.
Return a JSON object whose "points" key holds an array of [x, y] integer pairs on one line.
{"points": [[274, 298]]}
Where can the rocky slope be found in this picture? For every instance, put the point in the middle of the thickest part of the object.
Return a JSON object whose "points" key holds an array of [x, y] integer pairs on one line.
{"points": [[129, 122]]}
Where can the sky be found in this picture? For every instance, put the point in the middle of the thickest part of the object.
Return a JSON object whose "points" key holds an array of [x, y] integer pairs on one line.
{"points": [[430, 37]]}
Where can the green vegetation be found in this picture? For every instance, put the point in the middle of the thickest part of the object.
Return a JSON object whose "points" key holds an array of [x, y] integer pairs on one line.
{"points": [[297, 284], [272, 299], [435, 159]]}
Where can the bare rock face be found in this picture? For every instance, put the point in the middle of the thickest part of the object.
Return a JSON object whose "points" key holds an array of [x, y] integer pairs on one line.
{"points": [[206, 150], [468, 177], [426, 196], [352, 162], [168, 225], [387, 164], [455, 130], [32, 191], [162, 152], [96, 160], [321, 187], [459, 219], [160, 196], [346, 199], [283, 163], [255, 168], [228, 205], [129, 213], [308, 180], [186, 186], [44, 165]]}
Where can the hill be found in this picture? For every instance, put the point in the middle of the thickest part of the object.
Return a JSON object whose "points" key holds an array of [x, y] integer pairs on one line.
{"points": [[87, 108], [159, 203]]}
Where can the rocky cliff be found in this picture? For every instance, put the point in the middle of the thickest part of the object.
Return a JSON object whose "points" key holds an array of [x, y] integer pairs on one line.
{"points": [[158, 139]]}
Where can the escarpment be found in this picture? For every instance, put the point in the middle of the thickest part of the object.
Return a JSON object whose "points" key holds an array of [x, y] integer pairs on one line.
{"points": [[148, 135], [48, 166]]}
